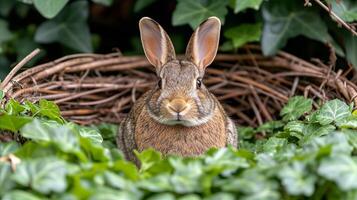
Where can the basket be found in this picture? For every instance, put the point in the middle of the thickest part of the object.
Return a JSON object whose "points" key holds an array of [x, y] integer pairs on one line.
{"points": [[92, 88]]}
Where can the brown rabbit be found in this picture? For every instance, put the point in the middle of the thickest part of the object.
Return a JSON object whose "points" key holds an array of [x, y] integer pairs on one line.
{"points": [[179, 115]]}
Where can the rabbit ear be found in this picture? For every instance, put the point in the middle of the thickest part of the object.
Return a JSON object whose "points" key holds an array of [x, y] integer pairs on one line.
{"points": [[157, 45], [203, 45]]}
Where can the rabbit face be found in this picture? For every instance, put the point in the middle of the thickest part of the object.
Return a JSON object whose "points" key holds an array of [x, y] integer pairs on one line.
{"points": [[180, 98]]}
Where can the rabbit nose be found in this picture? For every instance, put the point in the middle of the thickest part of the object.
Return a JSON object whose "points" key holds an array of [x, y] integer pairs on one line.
{"points": [[177, 105]]}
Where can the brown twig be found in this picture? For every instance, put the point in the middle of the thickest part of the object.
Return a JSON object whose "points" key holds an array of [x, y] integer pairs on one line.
{"points": [[337, 18], [18, 67], [92, 88]]}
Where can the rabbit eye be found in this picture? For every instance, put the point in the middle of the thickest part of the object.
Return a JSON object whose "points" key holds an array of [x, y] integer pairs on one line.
{"points": [[199, 83], [159, 83]]}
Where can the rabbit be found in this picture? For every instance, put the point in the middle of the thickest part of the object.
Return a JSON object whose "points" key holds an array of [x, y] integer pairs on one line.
{"points": [[178, 116]]}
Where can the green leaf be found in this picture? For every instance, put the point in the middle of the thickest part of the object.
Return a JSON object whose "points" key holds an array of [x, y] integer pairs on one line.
{"points": [[163, 196], [270, 126], [274, 144], [104, 2], [42, 175], [350, 42], [295, 108], [243, 34], [50, 109], [141, 4], [108, 131], [240, 5], [119, 182], [110, 194], [6, 6], [311, 131], [5, 35], [186, 176], [223, 196], [283, 21], [51, 132], [195, 12], [346, 10], [297, 180], [333, 111], [341, 169], [253, 185], [90, 133], [246, 132], [48, 8], [13, 123], [94, 151], [350, 123], [148, 158], [18, 194], [68, 28], [2, 94], [6, 183], [7, 148], [13, 107]]}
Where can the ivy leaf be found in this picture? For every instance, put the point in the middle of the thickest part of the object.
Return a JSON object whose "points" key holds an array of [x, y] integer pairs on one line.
{"points": [[243, 34], [51, 132], [195, 12], [42, 175], [148, 158], [274, 144], [253, 185], [350, 123], [5, 32], [350, 42], [284, 20], [104, 2], [341, 169], [270, 126], [13, 123], [50, 109], [5, 182], [6, 6], [296, 179], [49, 9], [240, 5], [333, 111], [7, 148], [14, 107], [295, 108], [68, 28], [163, 196], [141, 4], [110, 194], [346, 9], [90, 133], [18, 194]]}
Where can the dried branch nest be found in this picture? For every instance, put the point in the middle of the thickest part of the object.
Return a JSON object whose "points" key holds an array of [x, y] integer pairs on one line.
{"points": [[92, 88]]}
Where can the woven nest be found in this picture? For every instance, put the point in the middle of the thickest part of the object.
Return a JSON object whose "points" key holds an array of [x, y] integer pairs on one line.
{"points": [[92, 88]]}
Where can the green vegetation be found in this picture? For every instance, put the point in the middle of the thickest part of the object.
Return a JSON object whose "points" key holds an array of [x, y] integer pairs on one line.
{"points": [[308, 154], [63, 27]]}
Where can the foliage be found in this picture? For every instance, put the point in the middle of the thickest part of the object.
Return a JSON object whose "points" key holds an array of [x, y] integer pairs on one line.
{"points": [[303, 156], [67, 25], [68, 28]]}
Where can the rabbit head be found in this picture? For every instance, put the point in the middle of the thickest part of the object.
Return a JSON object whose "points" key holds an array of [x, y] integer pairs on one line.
{"points": [[180, 97]]}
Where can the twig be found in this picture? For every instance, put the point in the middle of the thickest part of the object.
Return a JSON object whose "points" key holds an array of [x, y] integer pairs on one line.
{"points": [[337, 18], [18, 67]]}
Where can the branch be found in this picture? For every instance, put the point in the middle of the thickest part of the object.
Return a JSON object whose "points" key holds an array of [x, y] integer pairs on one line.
{"points": [[334, 16], [18, 67]]}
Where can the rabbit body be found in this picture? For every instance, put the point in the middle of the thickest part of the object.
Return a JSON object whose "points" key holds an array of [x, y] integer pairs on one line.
{"points": [[179, 116]]}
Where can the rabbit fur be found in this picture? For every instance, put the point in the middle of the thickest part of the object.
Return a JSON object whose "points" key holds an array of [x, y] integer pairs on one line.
{"points": [[179, 115]]}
